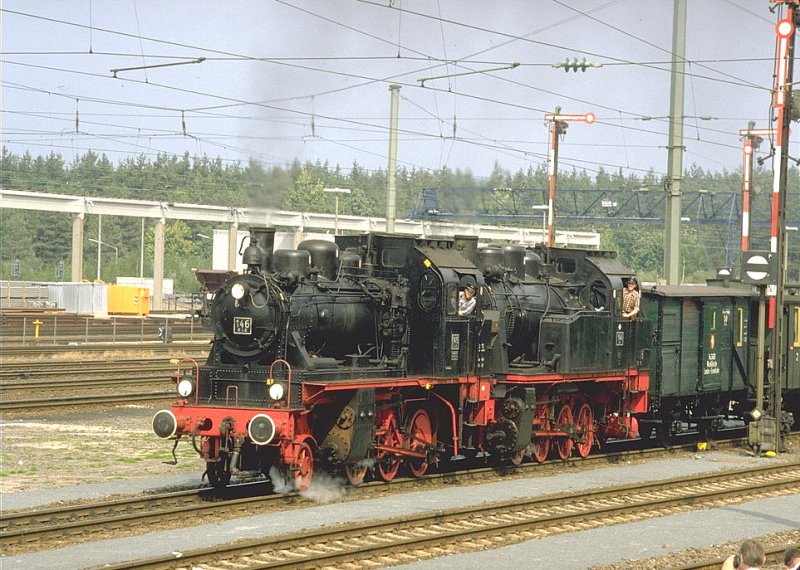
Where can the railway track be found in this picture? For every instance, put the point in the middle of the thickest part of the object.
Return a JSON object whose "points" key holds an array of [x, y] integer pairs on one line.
{"points": [[52, 370], [411, 538], [72, 401], [42, 350], [50, 527], [53, 384], [106, 383]]}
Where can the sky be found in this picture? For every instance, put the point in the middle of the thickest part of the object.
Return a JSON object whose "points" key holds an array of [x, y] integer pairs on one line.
{"points": [[308, 80]]}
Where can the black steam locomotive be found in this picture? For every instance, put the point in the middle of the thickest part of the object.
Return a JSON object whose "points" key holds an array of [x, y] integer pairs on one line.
{"points": [[353, 357]]}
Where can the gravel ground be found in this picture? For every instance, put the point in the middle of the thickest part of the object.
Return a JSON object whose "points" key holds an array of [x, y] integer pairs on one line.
{"points": [[79, 447]]}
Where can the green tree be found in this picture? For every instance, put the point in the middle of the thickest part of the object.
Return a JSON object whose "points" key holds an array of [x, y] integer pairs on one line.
{"points": [[307, 195]]}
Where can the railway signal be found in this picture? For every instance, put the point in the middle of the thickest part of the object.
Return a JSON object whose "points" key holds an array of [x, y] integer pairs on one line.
{"points": [[758, 268], [752, 140], [558, 126], [785, 32]]}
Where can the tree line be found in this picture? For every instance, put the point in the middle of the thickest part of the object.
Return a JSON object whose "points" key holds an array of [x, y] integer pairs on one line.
{"points": [[36, 245]]}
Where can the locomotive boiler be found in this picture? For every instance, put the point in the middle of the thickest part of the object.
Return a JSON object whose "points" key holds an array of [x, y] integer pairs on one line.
{"points": [[352, 357]]}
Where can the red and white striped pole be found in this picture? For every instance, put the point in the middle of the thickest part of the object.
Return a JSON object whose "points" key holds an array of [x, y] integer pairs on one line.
{"points": [[784, 31], [747, 179], [752, 140], [558, 126]]}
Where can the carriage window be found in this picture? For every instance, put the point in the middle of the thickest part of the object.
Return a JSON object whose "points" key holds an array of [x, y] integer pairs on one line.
{"points": [[796, 342], [740, 335], [428, 291], [392, 257]]}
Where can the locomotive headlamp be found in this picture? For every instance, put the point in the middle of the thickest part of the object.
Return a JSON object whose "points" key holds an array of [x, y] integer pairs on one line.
{"points": [[276, 391], [238, 291], [186, 387]]}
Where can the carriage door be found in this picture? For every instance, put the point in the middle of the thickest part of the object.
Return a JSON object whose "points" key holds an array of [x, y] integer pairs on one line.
{"points": [[739, 351], [792, 380], [715, 353]]}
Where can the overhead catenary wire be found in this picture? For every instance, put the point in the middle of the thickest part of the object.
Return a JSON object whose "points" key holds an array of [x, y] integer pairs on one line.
{"points": [[353, 123]]}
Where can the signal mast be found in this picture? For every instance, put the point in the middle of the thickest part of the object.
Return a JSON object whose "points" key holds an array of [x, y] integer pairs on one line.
{"points": [[785, 31]]}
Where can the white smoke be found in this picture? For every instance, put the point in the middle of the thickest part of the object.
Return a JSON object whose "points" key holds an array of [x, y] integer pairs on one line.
{"points": [[324, 487], [280, 484]]}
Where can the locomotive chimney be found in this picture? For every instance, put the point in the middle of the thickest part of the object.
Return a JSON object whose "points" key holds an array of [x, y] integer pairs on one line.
{"points": [[252, 255]]}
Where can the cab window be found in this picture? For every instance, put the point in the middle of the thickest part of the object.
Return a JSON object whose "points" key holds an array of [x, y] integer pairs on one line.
{"points": [[429, 288]]}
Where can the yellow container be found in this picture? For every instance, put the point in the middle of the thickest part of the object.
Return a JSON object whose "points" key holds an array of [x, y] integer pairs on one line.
{"points": [[128, 300]]}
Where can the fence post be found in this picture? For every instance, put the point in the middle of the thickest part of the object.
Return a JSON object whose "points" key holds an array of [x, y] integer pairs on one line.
{"points": [[24, 329], [55, 328], [86, 332]]}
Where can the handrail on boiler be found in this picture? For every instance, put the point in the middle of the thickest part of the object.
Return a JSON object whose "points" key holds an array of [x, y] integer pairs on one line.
{"points": [[235, 389], [196, 375], [271, 379]]}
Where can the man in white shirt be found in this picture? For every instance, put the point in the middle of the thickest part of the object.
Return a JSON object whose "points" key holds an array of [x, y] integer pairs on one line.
{"points": [[466, 300]]}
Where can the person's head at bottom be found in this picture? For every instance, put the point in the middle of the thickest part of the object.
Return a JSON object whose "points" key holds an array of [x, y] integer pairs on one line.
{"points": [[751, 555]]}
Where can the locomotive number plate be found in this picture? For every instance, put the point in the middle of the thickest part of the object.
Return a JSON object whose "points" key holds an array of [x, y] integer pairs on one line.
{"points": [[242, 325]]}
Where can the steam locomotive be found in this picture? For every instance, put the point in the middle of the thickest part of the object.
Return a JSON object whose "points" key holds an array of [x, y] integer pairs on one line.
{"points": [[351, 357]]}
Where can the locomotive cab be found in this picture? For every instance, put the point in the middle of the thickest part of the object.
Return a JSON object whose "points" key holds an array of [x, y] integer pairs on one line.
{"points": [[590, 333], [437, 270]]}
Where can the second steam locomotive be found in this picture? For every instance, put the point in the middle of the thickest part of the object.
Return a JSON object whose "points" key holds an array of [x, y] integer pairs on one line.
{"points": [[352, 357]]}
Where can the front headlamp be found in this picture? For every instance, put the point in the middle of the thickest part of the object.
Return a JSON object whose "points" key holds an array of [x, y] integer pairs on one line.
{"points": [[238, 291], [276, 391], [185, 387]]}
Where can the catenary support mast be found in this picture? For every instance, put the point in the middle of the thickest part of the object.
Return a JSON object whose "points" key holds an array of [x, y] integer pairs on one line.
{"points": [[672, 234]]}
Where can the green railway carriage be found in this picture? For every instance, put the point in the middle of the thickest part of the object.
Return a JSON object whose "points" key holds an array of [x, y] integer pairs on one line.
{"points": [[703, 358], [700, 359]]}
